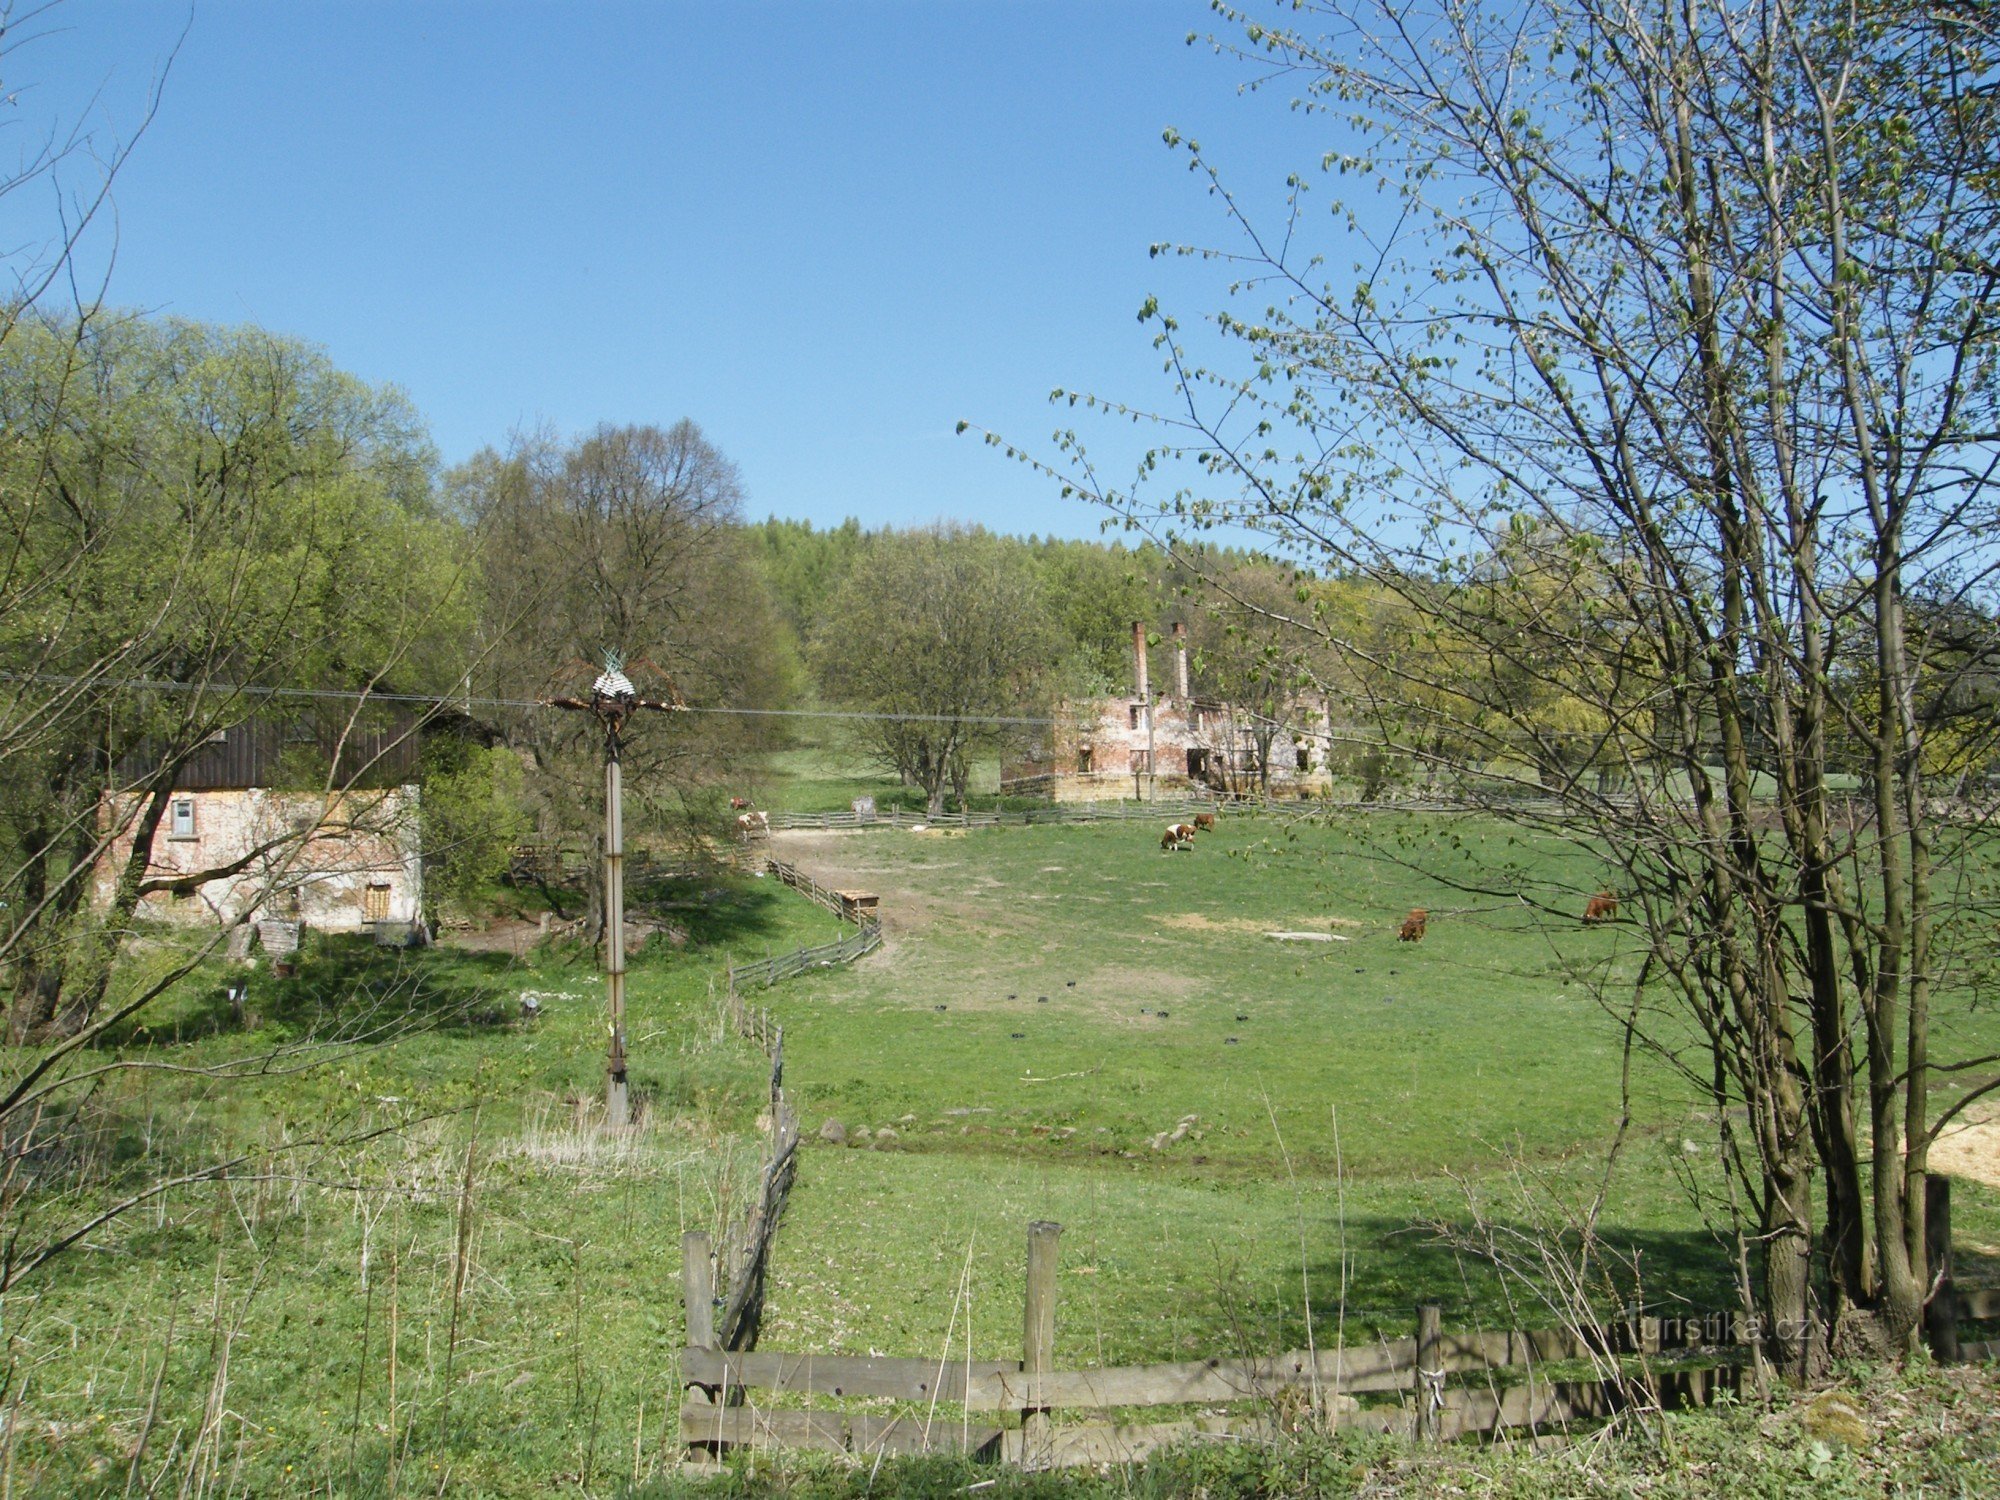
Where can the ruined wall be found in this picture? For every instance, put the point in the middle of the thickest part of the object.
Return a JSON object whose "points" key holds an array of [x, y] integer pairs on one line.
{"points": [[339, 863]]}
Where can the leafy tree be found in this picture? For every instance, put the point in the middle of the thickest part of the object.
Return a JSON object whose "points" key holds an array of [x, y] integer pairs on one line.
{"points": [[473, 814], [1094, 593], [193, 518], [941, 633], [802, 567]]}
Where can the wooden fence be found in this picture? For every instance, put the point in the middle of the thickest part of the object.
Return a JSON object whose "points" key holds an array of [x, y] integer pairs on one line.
{"points": [[1005, 1409], [1164, 809], [741, 1269], [765, 972], [746, 1250], [1061, 812]]}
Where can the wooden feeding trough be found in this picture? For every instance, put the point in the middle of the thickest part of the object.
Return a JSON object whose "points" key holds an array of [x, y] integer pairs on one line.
{"points": [[860, 906]]}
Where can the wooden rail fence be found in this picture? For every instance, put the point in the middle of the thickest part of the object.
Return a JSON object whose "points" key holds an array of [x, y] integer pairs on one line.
{"points": [[742, 1267], [1164, 808], [765, 972], [1006, 1409], [746, 1251]]}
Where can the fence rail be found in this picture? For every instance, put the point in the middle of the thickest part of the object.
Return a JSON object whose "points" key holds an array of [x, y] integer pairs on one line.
{"points": [[1148, 812], [1005, 1407], [765, 972]]}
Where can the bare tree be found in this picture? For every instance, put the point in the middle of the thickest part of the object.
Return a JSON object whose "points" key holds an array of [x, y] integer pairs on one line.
{"points": [[626, 539]]}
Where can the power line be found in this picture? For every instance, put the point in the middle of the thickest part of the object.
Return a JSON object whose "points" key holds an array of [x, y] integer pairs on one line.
{"points": [[434, 700]]}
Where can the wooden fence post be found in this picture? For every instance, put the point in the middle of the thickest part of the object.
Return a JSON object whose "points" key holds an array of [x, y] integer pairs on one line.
{"points": [[1038, 1342], [698, 1303], [1941, 1311], [1430, 1372]]}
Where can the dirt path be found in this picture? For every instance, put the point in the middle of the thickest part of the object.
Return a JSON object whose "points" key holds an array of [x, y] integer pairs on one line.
{"points": [[847, 861]]}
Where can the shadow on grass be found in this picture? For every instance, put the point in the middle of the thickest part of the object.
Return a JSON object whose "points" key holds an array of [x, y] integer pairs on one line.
{"points": [[1391, 1265], [718, 911]]}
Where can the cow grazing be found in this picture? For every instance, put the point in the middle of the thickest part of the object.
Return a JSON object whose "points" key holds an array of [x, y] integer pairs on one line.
{"points": [[752, 822], [1177, 836], [737, 804], [1205, 822], [1413, 926], [1603, 907]]}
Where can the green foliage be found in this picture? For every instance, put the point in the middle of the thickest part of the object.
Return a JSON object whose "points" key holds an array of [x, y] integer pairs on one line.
{"points": [[192, 515], [472, 816], [282, 1278], [939, 632]]}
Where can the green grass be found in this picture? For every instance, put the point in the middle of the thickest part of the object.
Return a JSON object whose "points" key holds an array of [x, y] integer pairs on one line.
{"points": [[1482, 1064], [570, 1319], [1373, 1090], [828, 779]]}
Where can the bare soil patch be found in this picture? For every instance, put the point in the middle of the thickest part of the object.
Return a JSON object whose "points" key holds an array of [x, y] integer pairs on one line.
{"points": [[1194, 921], [1970, 1146], [510, 935]]}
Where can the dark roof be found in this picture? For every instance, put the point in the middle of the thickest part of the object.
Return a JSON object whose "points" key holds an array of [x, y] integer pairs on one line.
{"points": [[298, 753]]}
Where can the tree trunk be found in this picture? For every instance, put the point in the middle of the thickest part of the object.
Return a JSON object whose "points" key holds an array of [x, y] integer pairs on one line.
{"points": [[90, 979], [1796, 1343]]}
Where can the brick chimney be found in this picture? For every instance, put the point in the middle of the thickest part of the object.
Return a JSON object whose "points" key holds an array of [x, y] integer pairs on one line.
{"points": [[1142, 690], [1180, 661]]}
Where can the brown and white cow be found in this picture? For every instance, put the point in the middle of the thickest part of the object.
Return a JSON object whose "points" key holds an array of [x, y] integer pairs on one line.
{"points": [[752, 822], [737, 804], [1178, 836], [1413, 926], [1603, 907]]}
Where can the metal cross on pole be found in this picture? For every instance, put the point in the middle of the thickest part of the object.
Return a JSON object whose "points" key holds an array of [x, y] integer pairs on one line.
{"points": [[612, 701]]}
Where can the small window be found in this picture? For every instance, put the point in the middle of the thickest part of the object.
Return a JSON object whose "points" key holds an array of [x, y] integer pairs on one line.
{"points": [[182, 826], [1083, 759], [1142, 762], [1135, 716], [1305, 758], [375, 904]]}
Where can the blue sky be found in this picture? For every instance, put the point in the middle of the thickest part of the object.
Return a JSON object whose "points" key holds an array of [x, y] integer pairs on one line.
{"points": [[826, 232]]}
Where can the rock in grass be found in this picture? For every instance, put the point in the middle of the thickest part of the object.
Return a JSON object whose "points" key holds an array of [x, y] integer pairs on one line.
{"points": [[860, 1136], [1018, 1035], [1229, 1041], [886, 1139], [1241, 1016], [833, 1133]]}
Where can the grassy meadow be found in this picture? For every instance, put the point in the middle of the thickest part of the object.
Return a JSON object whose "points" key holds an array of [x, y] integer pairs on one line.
{"points": [[482, 1299], [1053, 1004], [427, 1272]]}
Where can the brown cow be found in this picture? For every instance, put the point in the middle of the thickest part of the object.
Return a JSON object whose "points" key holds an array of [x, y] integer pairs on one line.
{"points": [[1177, 836], [1413, 926], [1603, 907], [737, 804], [1205, 822]]}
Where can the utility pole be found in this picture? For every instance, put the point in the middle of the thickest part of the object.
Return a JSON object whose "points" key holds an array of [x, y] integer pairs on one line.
{"points": [[612, 701]]}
